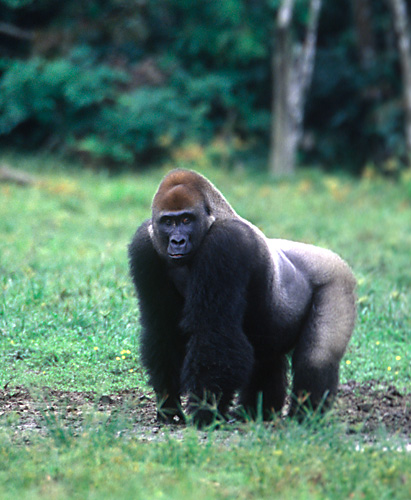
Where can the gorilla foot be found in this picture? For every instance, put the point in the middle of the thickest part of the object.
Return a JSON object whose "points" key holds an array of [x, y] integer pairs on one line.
{"points": [[174, 417], [169, 410], [206, 412], [304, 406]]}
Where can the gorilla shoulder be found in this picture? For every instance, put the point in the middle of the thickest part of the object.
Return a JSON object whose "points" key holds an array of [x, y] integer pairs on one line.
{"points": [[320, 265]]}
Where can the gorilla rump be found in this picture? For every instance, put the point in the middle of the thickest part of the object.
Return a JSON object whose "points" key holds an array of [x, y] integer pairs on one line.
{"points": [[221, 306]]}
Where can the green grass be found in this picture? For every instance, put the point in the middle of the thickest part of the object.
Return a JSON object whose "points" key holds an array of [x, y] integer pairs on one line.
{"points": [[68, 320], [289, 463], [67, 309]]}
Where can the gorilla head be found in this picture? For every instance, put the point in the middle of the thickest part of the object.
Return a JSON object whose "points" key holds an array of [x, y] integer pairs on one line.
{"points": [[221, 306], [181, 217]]}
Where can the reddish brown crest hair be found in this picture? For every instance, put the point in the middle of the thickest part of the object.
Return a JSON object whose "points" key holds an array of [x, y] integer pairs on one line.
{"points": [[181, 189]]}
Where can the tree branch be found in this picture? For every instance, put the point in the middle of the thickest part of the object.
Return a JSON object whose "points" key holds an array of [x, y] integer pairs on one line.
{"points": [[15, 32]]}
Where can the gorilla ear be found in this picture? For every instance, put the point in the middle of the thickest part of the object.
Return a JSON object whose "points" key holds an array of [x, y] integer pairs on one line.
{"points": [[207, 209]]}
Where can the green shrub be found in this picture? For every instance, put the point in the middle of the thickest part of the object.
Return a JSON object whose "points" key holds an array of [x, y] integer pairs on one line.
{"points": [[56, 97], [88, 109]]}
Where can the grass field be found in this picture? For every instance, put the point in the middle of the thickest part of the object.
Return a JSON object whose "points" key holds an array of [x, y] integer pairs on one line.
{"points": [[68, 320]]}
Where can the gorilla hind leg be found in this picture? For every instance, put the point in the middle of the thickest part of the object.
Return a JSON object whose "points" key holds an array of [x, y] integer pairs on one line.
{"points": [[314, 389], [266, 390], [323, 341]]}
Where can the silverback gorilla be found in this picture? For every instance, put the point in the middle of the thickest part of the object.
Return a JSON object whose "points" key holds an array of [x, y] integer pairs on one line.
{"points": [[221, 305]]}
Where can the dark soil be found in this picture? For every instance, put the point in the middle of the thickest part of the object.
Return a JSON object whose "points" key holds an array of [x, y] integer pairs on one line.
{"points": [[364, 408], [372, 406]]}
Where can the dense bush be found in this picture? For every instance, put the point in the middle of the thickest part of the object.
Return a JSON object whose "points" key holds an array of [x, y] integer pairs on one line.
{"points": [[55, 97], [84, 108]]}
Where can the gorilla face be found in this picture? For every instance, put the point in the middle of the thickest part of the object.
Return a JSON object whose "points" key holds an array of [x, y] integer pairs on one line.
{"points": [[180, 219], [179, 234], [177, 229]]}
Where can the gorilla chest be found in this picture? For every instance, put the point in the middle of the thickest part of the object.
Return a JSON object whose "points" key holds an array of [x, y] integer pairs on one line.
{"points": [[179, 275]]}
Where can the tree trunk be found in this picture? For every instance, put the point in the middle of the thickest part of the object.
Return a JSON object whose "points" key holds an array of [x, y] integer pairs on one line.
{"points": [[400, 16], [282, 151], [293, 66], [364, 32]]}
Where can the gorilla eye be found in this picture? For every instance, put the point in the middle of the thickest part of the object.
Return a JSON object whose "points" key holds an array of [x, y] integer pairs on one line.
{"points": [[167, 221], [186, 220]]}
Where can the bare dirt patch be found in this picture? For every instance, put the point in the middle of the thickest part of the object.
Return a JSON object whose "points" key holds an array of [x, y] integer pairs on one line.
{"points": [[371, 406], [364, 408]]}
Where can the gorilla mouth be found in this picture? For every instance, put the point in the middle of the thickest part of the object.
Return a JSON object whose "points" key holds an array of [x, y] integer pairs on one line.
{"points": [[178, 256]]}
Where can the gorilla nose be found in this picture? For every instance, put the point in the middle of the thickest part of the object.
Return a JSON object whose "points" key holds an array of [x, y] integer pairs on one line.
{"points": [[178, 242], [178, 247]]}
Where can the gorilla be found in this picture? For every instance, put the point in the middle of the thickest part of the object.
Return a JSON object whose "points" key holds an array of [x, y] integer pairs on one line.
{"points": [[222, 306]]}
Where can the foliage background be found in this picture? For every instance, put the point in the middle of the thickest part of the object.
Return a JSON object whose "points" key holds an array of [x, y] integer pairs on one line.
{"points": [[128, 81]]}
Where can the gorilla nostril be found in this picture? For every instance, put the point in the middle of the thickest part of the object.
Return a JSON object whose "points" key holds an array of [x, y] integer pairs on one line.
{"points": [[179, 242]]}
